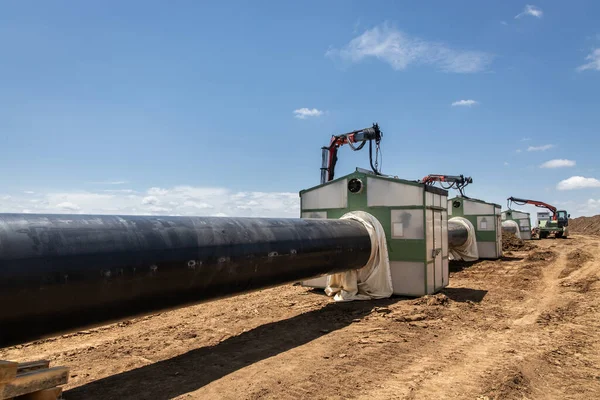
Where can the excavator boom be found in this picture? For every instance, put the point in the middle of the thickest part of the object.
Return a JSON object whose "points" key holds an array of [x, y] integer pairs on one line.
{"points": [[536, 203], [556, 226]]}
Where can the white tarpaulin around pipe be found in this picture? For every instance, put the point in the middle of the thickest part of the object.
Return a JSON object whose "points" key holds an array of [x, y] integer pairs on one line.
{"points": [[374, 280], [513, 227], [468, 251]]}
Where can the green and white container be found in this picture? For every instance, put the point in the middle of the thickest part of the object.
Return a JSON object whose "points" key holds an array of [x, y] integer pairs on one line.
{"points": [[523, 219], [486, 218], [414, 218]]}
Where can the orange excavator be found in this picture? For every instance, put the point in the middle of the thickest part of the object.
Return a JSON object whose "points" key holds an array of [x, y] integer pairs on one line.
{"points": [[557, 224]]}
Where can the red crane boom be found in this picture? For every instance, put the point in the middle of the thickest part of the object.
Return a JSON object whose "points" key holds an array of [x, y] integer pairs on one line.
{"points": [[362, 136], [458, 182], [536, 203]]}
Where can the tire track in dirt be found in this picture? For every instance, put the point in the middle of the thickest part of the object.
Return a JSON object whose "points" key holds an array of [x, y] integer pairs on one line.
{"points": [[560, 367], [452, 370], [497, 358], [455, 366], [545, 296]]}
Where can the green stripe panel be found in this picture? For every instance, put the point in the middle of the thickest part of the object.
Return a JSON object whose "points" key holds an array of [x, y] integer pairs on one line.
{"points": [[407, 250], [486, 236]]}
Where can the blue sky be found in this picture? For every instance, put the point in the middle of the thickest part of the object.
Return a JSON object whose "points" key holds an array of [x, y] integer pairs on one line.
{"points": [[146, 106]]}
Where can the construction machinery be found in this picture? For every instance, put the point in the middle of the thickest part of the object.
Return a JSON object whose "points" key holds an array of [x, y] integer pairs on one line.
{"points": [[548, 225], [485, 219], [517, 222], [413, 215], [458, 182], [481, 220], [362, 136]]}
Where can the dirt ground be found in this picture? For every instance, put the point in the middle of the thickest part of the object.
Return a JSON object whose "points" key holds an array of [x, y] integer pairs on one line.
{"points": [[585, 225], [524, 327]]}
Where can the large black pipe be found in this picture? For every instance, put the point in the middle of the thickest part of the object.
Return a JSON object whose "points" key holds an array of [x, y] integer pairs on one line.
{"points": [[510, 227], [59, 273], [457, 234]]}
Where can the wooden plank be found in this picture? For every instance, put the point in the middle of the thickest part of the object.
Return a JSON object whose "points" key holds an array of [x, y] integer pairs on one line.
{"points": [[46, 394], [32, 366], [34, 381], [8, 371]]}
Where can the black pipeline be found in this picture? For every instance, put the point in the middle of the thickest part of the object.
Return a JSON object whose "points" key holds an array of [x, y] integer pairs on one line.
{"points": [[510, 228], [60, 273], [457, 234]]}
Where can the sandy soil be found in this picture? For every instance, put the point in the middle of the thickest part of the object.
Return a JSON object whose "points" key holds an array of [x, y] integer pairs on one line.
{"points": [[525, 327], [585, 225]]}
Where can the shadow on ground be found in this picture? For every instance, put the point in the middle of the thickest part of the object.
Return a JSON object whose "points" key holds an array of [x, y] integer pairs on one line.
{"points": [[463, 295], [197, 368], [457, 266], [511, 258]]}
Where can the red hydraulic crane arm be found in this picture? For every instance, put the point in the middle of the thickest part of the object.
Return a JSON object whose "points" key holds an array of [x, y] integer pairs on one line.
{"points": [[458, 182], [536, 203], [431, 179], [361, 136]]}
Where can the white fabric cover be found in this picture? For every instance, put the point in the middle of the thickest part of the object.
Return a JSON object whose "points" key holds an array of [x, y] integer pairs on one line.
{"points": [[468, 251], [372, 281], [511, 223]]}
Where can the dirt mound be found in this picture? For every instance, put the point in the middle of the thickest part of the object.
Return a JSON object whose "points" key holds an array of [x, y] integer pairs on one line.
{"points": [[438, 299], [579, 257], [581, 286], [546, 255], [513, 385], [575, 260], [557, 315], [512, 243], [585, 225]]}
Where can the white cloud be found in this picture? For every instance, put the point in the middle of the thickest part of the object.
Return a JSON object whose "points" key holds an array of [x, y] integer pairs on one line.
{"points": [[540, 148], [464, 103], [506, 164], [195, 204], [109, 183], [156, 191], [157, 209], [68, 206], [503, 22], [558, 163], [303, 113], [191, 192], [400, 50], [518, 150], [593, 202], [594, 61], [532, 11], [526, 139], [578, 182], [119, 191], [177, 200], [587, 208], [152, 200]]}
